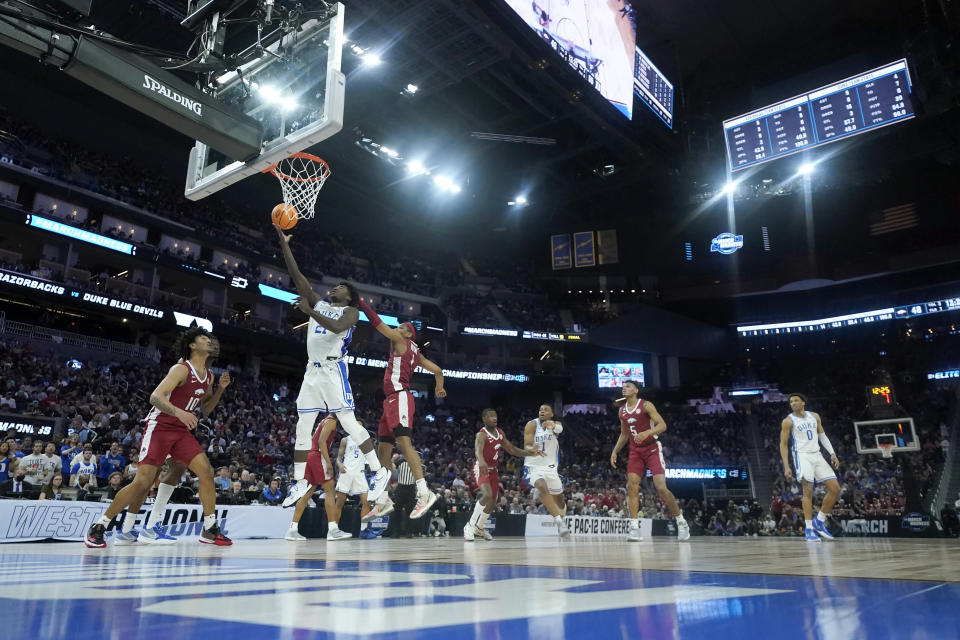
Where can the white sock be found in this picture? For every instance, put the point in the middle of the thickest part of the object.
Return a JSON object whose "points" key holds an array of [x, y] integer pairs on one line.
{"points": [[104, 520], [483, 519], [422, 489], [299, 470], [680, 517], [809, 524], [128, 522], [558, 519], [209, 521], [294, 525], [364, 525], [164, 491], [372, 461], [822, 517], [477, 511], [332, 525], [634, 523]]}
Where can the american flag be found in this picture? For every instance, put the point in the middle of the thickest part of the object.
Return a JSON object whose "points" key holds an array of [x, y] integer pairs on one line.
{"points": [[892, 219]]}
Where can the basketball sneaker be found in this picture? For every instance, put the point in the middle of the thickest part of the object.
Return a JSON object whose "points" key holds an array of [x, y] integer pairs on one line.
{"points": [[296, 492], [338, 534], [378, 484], [481, 532], [157, 534], [563, 530], [633, 535], [294, 535], [424, 503], [821, 529], [379, 509], [94, 538], [468, 532], [811, 535], [121, 539], [368, 534], [215, 537], [683, 530]]}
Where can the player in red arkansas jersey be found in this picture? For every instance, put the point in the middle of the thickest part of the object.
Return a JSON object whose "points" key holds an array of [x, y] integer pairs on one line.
{"points": [[320, 471], [169, 431], [490, 440], [396, 424], [640, 424]]}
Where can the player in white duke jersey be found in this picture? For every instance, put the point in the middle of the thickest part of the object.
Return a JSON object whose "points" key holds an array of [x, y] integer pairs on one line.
{"points": [[326, 384], [806, 430], [541, 472], [352, 481]]}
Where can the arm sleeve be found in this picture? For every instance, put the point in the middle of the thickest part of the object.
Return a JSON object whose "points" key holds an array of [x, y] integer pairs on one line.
{"points": [[368, 311], [825, 441]]}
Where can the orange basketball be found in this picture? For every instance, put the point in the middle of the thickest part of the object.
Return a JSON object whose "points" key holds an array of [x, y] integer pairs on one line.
{"points": [[284, 215]]}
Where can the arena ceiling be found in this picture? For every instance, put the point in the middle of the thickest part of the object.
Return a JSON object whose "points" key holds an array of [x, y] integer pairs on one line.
{"points": [[477, 70]]}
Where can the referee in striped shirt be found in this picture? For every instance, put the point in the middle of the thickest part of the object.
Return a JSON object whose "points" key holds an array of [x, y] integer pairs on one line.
{"points": [[405, 499]]}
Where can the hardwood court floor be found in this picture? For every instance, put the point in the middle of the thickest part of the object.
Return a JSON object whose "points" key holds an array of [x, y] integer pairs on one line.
{"points": [[508, 588]]}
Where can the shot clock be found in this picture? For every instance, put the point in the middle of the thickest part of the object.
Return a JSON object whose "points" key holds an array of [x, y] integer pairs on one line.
{"points": [[881, 396]]}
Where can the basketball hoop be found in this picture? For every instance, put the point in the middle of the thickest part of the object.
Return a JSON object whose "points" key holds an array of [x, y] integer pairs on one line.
{"points": [[301, 177], [886, 450]]}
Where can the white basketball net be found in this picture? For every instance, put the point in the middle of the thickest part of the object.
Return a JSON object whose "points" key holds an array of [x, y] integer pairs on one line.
{"points": [[301, 177]]}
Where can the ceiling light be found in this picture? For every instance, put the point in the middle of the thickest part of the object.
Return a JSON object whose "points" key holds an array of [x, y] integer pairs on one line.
{"points": [[510, 203], [521, 200], [390, 152], [415, 166], [729, 188], [371, 59], [806, 169], [412, 89]]}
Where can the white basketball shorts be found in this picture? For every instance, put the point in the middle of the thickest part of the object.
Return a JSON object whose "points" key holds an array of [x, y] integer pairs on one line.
{"points": [[812, 467], [352, 484], [547, 474], [326, 387]]}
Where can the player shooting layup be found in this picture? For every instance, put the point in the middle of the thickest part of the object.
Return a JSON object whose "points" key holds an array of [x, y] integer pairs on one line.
{"points": [[640, 423], [807, 432], [326, 386]]}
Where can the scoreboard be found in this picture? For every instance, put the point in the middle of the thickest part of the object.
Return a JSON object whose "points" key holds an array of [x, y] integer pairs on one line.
{"points": [[652, 87], [869, 100]]}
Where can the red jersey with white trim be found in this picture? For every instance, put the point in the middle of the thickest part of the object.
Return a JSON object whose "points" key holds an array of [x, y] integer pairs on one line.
{"points": [[400, 369], [491, 448], [187, 397], [315, 439], [637, 422]]}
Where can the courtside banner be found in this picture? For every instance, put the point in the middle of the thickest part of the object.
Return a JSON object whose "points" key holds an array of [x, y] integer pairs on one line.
{"points": [[26, 520], [542, 525]]}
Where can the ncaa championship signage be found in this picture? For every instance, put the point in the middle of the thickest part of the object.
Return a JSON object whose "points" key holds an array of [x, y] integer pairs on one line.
{"points": [[26, 520]]}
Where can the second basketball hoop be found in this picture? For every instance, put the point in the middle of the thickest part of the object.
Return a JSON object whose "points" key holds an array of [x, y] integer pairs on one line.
{"points": [[301, 177]]}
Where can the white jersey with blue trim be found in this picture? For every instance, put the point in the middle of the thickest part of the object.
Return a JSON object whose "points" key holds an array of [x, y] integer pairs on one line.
{"points": [[545, 440], [804, 433], [323, 344], [353, 458]]}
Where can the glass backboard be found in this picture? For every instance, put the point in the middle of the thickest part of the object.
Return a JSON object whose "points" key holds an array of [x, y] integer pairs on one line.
{"points": [[295, 89]]}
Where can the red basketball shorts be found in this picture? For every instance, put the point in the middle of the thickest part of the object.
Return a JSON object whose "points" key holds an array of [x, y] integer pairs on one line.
{"points": [[491, 477], [317, 471], [642, 459], [398, 411], [160, 440]]}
